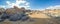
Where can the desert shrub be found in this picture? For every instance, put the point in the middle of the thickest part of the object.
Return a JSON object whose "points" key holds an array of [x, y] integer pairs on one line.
{"points": [[57, 18]]}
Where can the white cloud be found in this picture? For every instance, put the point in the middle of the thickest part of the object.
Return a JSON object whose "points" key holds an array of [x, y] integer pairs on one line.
{"points": [[8, 2], [17, 3], [27, 3], [54, 7]]}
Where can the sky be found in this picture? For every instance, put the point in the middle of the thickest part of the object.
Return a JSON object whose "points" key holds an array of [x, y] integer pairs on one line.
{"points": [[35, 4]]}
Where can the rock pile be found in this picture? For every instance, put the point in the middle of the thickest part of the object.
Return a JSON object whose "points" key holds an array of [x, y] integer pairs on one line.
{"points": [[14, 14]]}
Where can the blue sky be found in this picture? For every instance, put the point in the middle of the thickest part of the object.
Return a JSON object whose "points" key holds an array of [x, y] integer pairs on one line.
{"points": [[37, 4]]}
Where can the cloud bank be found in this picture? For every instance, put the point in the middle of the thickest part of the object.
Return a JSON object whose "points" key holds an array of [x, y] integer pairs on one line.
{"points": [[54, 7], [51, 7]]}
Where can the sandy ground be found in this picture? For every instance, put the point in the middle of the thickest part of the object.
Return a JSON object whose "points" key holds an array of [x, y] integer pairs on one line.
{"points": [[39, 18]]}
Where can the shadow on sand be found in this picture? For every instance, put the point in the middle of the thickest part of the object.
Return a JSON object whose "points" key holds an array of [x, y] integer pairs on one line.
{"points": [[33, 21]]}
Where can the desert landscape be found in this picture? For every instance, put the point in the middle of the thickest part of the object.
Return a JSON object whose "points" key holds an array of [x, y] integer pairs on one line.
{"points": [[29, 11], [36, 17]]}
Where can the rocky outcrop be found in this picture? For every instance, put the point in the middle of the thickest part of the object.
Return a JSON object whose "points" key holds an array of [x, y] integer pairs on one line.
{"points": [[14, 14]]}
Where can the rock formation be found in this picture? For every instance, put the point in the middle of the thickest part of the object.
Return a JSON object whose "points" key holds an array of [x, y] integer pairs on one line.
{"points": [[15, 14]]}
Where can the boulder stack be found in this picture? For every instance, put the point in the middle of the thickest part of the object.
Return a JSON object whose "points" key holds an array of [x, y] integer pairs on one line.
{"points": [[15, 14]]}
